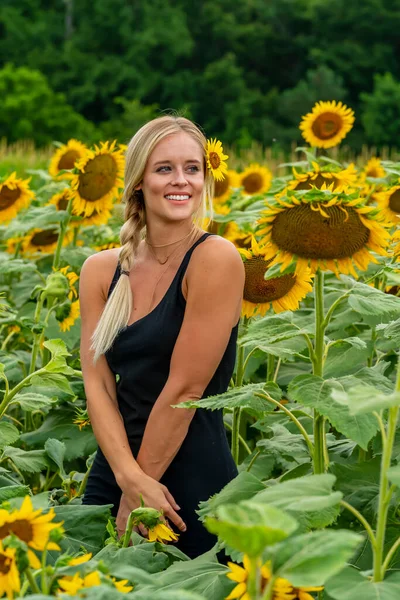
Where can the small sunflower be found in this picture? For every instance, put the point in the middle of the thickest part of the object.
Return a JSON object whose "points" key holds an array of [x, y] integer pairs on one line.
{"points": [[327, 124], [238, 237], [99, 177], [61, 199], [389, 203], [72, 279], [42, 240], [323, 228], [223, 188], [72, 584], [256, 179], [30, 526], [67, 314], [82, 418], [65, 158], [216, 158], [14, 195], [374, 168], [161, 532], [283, 292], [9, 574], [320, 176]]}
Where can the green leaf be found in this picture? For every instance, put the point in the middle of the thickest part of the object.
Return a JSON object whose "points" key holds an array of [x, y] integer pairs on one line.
{"points": [[315, 392], [285, 444], [369, 301], [350, 584], [263, 333], [345, 358], [238, 397], [8, 433], [52, 379], [394, 475], [59, 352], [310, 559], [13, 491], [142, 556], [30, 401], [359, 484], [391, 331], [250, 526], [16, 266], [243, 487], [32, 461], [56, 451], [364, 399]]}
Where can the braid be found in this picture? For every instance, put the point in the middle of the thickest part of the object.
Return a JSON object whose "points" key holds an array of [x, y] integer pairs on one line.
{"points": [[130, 234]]}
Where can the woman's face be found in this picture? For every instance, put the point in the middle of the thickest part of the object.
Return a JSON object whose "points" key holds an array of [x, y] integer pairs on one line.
{"points": [[174, 178]]}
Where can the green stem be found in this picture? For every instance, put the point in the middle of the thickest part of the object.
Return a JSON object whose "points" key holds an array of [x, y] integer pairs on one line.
{"points": [[253, 460], [362, 520], [82, 487], [373, 340], [36, 342], [241, 438], [320, 452], [270, 367], [253, 583], [61, 235], [43, 572], [32, 582], [237, 412], [390, 555], [385, 492], [278, 364], [128, 531], [8, 338], [76, 231], [8, 397], [269, 590]]}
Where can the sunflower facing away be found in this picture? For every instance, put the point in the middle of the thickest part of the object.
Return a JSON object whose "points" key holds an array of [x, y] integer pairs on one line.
{"points": [[9, 574], [99, 178], [256, 179], [216, 158], [327, 124], [323, 228], [66, 157], [283, 292], [389, 203], [283, 589], [223, 188], [14, 195], [30, 526], [320, 176]]}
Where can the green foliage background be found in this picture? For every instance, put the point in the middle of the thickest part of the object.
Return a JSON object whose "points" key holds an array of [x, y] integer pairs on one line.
{"points": [[244, 70]]}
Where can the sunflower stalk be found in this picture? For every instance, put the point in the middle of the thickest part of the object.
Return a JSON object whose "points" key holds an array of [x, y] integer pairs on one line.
{"points": [[32, 582], [37, 338], [320, 451], [254, 579], [270, 367], [269, 590], [63, 230], [237, 412]]}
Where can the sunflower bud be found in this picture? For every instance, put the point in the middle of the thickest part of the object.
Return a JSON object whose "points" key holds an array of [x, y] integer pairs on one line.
{"points": [[57, 286]]}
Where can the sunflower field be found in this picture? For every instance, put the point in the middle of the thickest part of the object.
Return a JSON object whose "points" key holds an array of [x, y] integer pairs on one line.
{"points": [[311, 412]]}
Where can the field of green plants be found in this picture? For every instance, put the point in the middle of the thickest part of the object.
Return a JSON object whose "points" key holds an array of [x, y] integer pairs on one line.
{"points": [[311, 412]]}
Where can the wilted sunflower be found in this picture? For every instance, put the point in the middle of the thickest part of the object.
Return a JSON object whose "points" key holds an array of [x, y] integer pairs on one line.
{"points": [[323, 228], [223, 188], [100, 176], [66, 314], [161, 532], [42, 240], [389, 203], [30, 526], [72, 279], [327, 124], [81, 418], [65, 158], [14, 195], [320, 176], [283, 292], [215, 159], [256, 179], [9, 574]]}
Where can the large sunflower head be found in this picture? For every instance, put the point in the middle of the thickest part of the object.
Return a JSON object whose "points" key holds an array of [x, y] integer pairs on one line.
{"points": [[323, 228], [99, 177], [65, 158], [223, 188], [388, 202], [327, 124], [14, 195], [96, 218], [215, 159], [42, 241], [256, 179], [340, 179], [283, 292], [9, 575]]}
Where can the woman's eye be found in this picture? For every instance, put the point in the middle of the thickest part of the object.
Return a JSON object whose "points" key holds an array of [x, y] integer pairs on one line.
{"points": [[161, 168], [194, 167]]}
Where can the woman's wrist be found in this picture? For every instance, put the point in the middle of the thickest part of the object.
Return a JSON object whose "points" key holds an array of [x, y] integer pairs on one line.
{"points": [[129, 478]]}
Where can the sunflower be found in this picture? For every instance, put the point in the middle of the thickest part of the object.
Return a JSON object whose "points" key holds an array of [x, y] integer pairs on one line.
{"points": [[320, 176], [108, 246], [66, 314], [283, 292], [72, 584], [72, 279], [65, 158], [373, 168], [238, 237], [42, 240], [223, 188], [96, 218], [396, 247], [216, 158], [99, 178], [9, 574], [82, 418], [161, 532], [327, 124], [389, 203], [122, 586], [14, 195], [30, 526], [61, 199], [79, 560], [323, 228], [255, 179]]}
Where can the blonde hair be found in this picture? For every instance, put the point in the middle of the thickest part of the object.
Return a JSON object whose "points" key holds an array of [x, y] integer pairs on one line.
{"points": [[118, 307]]}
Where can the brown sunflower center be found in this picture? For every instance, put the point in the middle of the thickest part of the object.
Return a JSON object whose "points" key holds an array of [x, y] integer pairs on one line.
{"points": [[214, 159], [373, 172], [308, 234], [8, 197], [67, 161], [62, 203], [98, 179], [257, 289], [21, 528], [317, 182], [5, 564], [252, 183], [44, 238], [394, 202], [327, 125], [221, 187]]}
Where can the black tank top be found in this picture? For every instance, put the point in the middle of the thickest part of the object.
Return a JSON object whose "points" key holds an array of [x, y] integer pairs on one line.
{"points": [[141, 356]]}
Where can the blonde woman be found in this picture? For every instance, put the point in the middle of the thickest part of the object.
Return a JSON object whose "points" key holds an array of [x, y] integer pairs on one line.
{"points": [[159, 327]]}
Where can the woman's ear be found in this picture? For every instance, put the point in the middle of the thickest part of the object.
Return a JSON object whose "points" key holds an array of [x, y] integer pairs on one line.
{"points": [[138, 187]]}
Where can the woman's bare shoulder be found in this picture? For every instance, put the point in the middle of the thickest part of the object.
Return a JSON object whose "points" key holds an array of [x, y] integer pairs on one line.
{"points": [[100, 268], [217, 248]]}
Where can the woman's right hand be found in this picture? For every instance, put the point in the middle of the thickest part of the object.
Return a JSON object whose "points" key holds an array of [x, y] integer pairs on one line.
{"points": [[155, 495]]}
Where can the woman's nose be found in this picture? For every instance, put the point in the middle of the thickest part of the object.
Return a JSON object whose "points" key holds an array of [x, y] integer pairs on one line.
{"points": [[179, 177]]}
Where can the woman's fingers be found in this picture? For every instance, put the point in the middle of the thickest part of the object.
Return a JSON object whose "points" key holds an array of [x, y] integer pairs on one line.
{"points": [[171, 499], [169, 512]]}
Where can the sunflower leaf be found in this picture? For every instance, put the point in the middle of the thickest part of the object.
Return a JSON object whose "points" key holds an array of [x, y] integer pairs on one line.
{"points": [[31, 461], [52, 379], [13, 491], [56, 451], [363, 399], [369, 301], [8, 433], [350, 584], [16, 265], [30, 401], [237, 397]]}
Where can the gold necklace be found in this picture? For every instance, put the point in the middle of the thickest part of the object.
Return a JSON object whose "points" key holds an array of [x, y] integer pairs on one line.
{"points": [[151, 246]]}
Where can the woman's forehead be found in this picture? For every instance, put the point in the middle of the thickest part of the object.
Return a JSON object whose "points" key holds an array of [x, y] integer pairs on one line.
{"points": [[177, 147]]}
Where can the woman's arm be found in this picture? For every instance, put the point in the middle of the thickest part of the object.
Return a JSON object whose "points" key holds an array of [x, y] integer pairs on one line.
{"points": [[215, 290]]}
